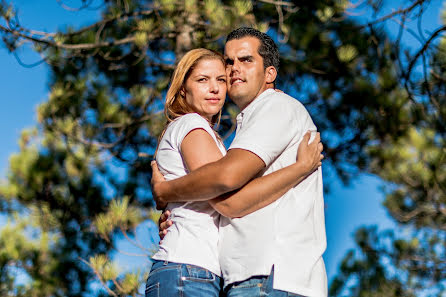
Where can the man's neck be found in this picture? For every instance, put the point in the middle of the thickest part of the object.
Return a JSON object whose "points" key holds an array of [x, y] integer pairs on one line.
{"points": [[268, 86]]}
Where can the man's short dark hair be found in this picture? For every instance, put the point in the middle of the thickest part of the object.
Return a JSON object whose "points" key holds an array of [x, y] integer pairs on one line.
{"points": [[268, 49]]}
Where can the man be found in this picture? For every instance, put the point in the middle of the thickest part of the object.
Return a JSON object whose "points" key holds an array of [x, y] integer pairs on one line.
{"points": [[277, 250]]}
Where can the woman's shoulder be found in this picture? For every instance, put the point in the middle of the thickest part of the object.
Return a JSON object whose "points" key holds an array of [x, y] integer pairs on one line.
{"points": [[190, 119], [192, 116]]}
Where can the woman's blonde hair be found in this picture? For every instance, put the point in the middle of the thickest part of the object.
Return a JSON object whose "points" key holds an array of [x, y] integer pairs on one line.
{"points": [[176, 104]]}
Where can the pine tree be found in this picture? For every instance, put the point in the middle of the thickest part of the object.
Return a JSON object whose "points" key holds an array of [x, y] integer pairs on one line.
{"points": [[81, 178]]}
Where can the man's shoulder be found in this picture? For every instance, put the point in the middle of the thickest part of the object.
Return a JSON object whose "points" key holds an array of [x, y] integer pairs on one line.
{"points": [[283, 101]]}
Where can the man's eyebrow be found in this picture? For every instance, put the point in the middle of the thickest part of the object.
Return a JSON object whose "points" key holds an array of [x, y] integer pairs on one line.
{"points": [[242, 58]]}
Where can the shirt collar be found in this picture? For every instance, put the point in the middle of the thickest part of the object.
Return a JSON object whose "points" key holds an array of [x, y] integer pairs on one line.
{"points": [[255, 102]]}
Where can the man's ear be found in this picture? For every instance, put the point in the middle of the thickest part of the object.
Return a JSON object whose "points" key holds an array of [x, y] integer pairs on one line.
{"points": [[270, 74]]}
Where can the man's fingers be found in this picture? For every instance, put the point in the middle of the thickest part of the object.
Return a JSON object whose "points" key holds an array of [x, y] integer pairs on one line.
{"points": [[162, 234], [165, 225], [163, 217], [156, 174]]}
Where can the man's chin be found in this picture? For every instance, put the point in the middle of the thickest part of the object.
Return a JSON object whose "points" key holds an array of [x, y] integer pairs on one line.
{"points": [[236, 94]]}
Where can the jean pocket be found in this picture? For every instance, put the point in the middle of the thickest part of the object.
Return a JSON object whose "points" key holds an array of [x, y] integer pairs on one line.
{"points": [[153, 290], [195, 273]]}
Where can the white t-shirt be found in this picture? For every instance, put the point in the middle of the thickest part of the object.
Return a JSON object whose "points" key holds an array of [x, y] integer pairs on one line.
{"points": [[193, 237], [289, 233]]}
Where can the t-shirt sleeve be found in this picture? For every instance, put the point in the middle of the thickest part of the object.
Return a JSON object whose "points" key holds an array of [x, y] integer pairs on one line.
{"points": [[188, 123], [268, 130]]}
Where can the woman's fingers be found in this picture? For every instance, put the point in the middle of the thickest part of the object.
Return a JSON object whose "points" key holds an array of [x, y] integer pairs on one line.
{"points": [[306, 137]]}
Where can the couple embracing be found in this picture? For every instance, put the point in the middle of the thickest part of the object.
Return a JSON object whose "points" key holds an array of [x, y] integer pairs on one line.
{"points": [[248, 221]]}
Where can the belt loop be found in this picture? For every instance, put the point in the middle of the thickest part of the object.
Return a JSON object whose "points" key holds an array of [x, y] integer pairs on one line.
{"points": [[269, 281]]}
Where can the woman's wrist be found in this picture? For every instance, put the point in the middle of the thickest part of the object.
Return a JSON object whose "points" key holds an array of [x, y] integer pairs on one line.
{"points": [[300, 168]]}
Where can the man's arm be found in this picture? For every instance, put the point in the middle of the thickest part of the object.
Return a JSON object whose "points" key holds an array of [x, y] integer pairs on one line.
{"points": [[211, 180], [264, 190], [260, 191]]}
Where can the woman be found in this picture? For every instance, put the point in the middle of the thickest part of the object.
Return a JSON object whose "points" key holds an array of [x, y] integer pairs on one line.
{"points": [[186, 263]]}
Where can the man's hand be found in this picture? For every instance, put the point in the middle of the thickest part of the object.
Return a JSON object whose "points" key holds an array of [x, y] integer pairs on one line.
{"points": [[157, 178], [163, 224]]}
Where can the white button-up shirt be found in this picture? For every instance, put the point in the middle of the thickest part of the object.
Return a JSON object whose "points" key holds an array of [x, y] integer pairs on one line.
{"points": [[193, 237], [288, 234]]}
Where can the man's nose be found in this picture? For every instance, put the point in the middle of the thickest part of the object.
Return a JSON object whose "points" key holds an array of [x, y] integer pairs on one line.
{"points": [[235, 67]]}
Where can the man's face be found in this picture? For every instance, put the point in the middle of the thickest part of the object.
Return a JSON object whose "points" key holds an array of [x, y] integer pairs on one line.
{"points": [[244, 69]]}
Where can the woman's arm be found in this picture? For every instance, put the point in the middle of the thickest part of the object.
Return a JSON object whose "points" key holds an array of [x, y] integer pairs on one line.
{"points": [[199, 148], [264, 190]]}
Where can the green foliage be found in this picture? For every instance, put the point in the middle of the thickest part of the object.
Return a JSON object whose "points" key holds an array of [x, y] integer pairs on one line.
{"points": [[412, 161], [82, 174], [387, 265]]}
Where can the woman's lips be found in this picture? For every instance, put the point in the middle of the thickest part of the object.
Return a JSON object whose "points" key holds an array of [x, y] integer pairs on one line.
{"points": [[213, 100]]}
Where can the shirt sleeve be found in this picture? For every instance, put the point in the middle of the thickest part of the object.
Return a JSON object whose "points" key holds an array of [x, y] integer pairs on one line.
{"points": [[188, 123], [269, 128]]}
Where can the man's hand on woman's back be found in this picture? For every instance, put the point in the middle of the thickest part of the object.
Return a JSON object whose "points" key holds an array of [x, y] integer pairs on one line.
{"points": [[164, 223]]}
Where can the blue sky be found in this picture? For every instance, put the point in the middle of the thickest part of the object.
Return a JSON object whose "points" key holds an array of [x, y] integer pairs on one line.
{"points": [[22, 89]]}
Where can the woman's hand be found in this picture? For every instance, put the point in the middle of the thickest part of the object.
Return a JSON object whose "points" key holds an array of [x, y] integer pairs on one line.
{"points": [[309, 155]]}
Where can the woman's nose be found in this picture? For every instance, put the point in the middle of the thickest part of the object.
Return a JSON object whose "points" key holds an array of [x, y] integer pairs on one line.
{"points": [[214, 87]]}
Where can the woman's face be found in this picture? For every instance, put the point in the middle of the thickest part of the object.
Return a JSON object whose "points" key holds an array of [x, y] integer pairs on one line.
{"points": [[205, 89]]}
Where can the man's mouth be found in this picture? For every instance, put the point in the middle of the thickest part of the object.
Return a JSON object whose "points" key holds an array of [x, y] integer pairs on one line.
{"points": [[236, 80]]}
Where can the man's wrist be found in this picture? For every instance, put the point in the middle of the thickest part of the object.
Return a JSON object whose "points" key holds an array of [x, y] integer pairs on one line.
{"points": [[157, 195]]}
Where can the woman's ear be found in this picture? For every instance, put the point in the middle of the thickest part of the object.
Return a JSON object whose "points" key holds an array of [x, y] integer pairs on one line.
{"points": [[182, 93], [270, 74]]}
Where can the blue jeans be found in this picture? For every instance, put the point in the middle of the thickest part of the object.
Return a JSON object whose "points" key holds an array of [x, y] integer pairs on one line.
{"points": [[257, 286], [168, 279]]}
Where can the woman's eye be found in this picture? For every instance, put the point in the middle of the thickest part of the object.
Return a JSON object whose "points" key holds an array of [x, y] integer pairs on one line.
{"points": [[202, 79]]}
